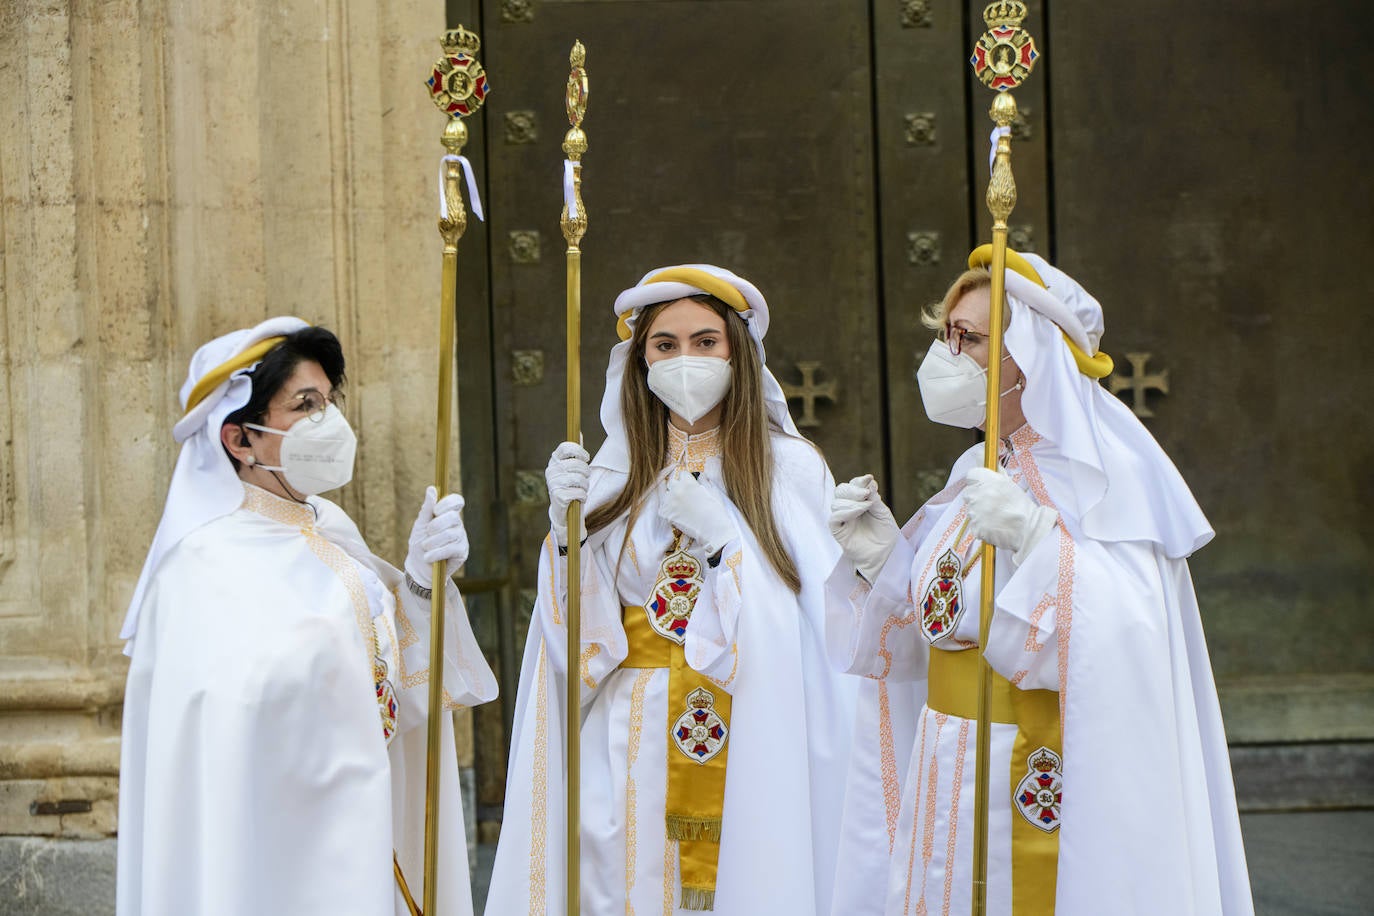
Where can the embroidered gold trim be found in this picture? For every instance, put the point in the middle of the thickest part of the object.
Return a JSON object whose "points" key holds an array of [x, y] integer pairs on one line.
{"points": [[631, 756], [733, 562], [269, 505], [584, 664], [408, 638], [734, 668], [553, 578], [892, 788], [693, 451], [539, 812], [1063, 599], [954, 812], [670, 857]]}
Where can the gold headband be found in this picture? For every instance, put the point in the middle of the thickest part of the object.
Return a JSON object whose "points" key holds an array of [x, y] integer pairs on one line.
{"points": [[218, 375], [692, 276], [1099, 365]]}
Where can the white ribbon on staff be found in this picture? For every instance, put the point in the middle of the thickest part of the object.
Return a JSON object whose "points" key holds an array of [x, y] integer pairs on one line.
{"points": [[569, 198], [472, 186], [992, 139]]}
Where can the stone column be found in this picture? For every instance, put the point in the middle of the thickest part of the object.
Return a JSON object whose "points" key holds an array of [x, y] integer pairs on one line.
{"points": [[169, 172]]}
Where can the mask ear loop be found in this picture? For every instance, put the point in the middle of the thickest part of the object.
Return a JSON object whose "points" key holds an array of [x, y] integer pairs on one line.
{"points": [[287, 491]]}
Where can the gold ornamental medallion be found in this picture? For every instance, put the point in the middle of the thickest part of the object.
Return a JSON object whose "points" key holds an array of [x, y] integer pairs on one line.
{"points": [[1005, 53], [458, 84]]}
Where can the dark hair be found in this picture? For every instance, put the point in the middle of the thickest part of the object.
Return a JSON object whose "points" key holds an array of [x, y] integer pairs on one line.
{"points": [[318, 345]]}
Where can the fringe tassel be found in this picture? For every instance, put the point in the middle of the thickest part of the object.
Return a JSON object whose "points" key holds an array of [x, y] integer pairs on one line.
{"points": [[684, 827], [698, 898]]}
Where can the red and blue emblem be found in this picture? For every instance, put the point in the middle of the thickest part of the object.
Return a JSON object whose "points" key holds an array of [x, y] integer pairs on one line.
{"points": [[1005, 53], [1041, 792], [675, 594], [458, 84], [700, 732], [943, 603]]}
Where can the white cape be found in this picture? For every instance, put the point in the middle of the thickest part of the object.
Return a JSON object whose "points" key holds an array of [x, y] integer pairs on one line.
{"points": [[789, 730], [254, 776], [1149, 820]]}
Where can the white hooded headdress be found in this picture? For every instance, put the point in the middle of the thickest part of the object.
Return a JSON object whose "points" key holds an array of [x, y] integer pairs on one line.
{"points": [[204, 485], [1121, 485], [668, 284]]}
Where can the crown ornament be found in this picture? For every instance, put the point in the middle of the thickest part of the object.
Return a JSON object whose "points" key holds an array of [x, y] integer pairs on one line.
{"points": [[948, 565], [457, 82], [461, 41], [1004, 14], [1044, 761], [700, 699], [681, 569]]}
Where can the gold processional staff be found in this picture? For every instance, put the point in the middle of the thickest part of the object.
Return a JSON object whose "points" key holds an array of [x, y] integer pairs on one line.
{"points": [[1002, 58], [574, 222], [458, 85]]}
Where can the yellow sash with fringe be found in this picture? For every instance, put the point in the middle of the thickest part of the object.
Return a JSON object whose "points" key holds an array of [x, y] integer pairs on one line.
{"points": [[698, 722], [953, 685]]}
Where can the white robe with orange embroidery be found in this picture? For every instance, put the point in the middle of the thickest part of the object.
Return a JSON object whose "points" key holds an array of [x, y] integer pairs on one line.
{"points": [[789, 725], [254, 774], [1148, 819]]}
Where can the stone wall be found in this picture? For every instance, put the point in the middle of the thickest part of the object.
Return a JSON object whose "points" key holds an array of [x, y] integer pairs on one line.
{"points": [[170, 172]]}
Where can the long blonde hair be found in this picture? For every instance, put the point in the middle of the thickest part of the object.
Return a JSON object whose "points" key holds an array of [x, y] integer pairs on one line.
{"points": [[747, 452]]}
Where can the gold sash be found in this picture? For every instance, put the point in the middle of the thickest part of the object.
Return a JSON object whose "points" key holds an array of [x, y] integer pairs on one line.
{"points": [[696, 784], [953, 689]]}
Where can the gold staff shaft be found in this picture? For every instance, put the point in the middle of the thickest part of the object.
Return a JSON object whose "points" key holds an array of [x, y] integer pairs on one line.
{"points": [[1001, 200], [451, 229], [574, 225], [458, 85]]}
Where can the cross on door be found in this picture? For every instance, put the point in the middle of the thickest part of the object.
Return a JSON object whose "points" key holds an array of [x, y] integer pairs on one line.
{"points": [[1139, 382], [809, 392]]}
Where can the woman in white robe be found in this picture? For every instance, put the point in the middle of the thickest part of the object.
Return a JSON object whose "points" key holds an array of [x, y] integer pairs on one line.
{"points": [[273, 754], [1110, 782], [744, 695]]}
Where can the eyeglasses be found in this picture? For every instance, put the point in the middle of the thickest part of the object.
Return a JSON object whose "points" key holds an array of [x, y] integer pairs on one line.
{"points": [[957, 338], [314, 404]]}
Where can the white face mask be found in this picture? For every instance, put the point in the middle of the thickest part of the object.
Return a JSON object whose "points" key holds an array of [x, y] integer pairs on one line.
{"points": [[690, 385], [316, 455], [954, 389]]}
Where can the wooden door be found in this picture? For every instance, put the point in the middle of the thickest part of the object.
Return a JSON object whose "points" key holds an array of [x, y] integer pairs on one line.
{"points": [[835, 153]]}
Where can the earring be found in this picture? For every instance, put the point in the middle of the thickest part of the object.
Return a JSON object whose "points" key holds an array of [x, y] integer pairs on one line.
{"points": [[250, 461]]}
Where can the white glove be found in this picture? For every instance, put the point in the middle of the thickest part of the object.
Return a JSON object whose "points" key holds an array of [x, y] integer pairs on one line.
{"points": [[863, 526], [566, 476], [1004, 515], [438, 534], [698, 513]]}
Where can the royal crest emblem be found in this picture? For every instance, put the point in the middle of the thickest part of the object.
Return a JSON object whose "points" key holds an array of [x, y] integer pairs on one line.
{"points": [[675, 594], [943, 603], [700, 732], [386, 698], [458, 84], [1005, 53], [1039, 795]]}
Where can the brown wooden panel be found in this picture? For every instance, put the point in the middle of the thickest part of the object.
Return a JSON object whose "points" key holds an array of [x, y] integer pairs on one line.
{"points": [[1211, 188], [925, 219]]}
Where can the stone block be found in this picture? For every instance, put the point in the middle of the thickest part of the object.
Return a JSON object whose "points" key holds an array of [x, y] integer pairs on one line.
{"points": [[42, 877]]}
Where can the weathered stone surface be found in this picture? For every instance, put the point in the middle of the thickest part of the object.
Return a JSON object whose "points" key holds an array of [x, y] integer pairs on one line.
{"points": [[171, 172], [56, 878]]}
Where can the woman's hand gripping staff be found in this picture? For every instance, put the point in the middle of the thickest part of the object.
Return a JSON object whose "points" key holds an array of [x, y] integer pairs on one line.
{"points": [[438, 534], [566, 476], [1002, 514]]}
